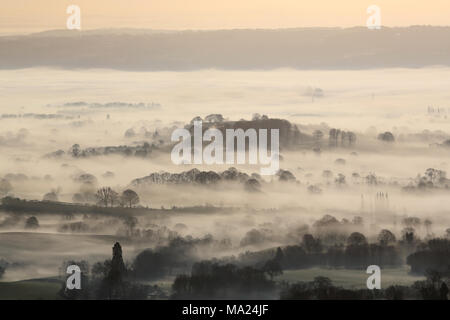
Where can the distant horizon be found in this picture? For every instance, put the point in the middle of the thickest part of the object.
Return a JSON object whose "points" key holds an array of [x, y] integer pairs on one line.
{"points": [[25, 16], [25, 33]]}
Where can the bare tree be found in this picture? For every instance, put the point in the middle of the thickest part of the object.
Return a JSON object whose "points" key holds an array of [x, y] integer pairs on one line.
{"points": [[104, 195]]}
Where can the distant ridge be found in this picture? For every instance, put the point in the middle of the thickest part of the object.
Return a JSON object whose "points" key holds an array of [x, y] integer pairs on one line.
{"points": [[238, 49]]}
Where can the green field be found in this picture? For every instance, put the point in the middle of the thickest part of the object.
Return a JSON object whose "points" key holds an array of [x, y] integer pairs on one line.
{"points": [[352, 279], [36, 289]]}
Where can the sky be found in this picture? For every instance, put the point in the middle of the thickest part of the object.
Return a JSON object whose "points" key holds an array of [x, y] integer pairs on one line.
{"points": [[23, 16]]}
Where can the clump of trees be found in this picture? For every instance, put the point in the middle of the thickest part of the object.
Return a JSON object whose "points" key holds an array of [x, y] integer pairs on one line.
{"points": [[252, 185], [340, 138], [108, 197], [322, 288], [273, 266], [179, 254], [76, 227], [433, 288], [52, 195], [386, 137], [433, 178], [210, 280], [435, 255], [355, 253], [139, 151], [285, 175], [258, 117], [213, 118]]}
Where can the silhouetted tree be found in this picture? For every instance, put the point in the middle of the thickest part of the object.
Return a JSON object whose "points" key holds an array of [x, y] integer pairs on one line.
{"points": [[130, 198], [386, 136], [371, 179], [311, 245], [273, 268], [214, 281], [214, 118], [443, 291], [394, 293], [252, 185], [432, 259], [50, 196], [408, 235], [386, 237], [31, 223], [75, 150], [322, 286], [114, 281], [357, 250], [5, 187], [356, 239]]}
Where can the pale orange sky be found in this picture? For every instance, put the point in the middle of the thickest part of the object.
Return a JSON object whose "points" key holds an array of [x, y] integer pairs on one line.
{"points": [[38, 15]]}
